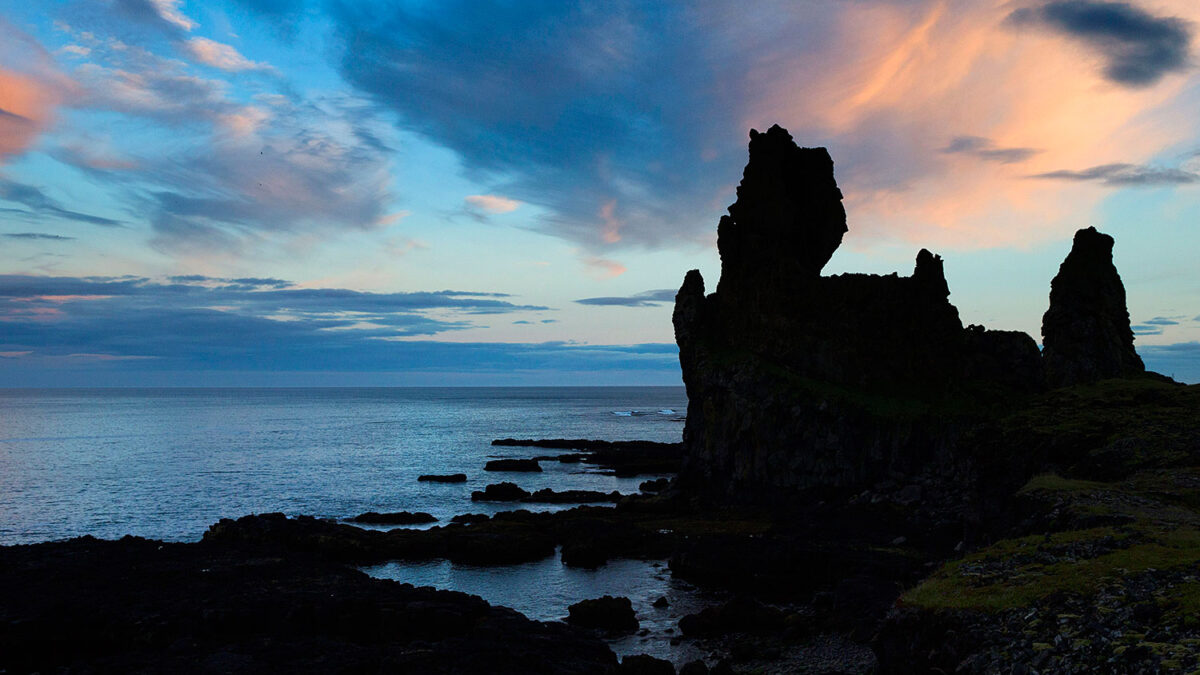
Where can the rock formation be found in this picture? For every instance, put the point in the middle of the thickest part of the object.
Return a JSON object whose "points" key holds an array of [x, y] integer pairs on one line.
{"points": [[1086, 331], [799, 382]]}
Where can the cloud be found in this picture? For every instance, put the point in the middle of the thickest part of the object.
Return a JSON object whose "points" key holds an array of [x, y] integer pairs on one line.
{"points": [[493, 203], [1143, 329], [40, 204], [984, 148], [565, 106], [1139, 48], [1161, 321], [643, 299], [198, 323], [248, 175], [1124, 175], [164, 14], [603, 268], [222, 56], [194, 317], [38, 236], [31, 89]]}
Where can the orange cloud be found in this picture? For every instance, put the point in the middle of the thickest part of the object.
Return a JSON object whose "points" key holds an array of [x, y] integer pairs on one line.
{"points": [[905, 79], [30, 90]]}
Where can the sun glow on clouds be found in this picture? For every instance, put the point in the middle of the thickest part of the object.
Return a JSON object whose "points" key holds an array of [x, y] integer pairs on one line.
{"points": [[31, 88], [919, 78]]}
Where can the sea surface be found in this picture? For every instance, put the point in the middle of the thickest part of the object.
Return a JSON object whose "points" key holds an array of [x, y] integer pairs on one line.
{"points": [[167, 463]]}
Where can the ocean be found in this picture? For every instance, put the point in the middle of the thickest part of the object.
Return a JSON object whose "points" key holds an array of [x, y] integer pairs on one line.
{"points": [[167, 463]]}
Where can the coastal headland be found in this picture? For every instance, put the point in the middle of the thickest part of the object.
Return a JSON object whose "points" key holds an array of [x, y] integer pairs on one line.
{"points": [[863, 485]]}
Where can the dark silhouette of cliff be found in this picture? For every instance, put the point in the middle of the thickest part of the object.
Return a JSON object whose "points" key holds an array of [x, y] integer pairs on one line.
{"points": [[803, 382]]}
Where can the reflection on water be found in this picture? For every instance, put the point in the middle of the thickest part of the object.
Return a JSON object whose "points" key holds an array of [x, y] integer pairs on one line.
{"points": [[543, 590]]}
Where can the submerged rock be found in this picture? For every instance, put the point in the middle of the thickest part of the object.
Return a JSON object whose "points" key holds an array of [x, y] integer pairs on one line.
{"points": [[1086, 331]]}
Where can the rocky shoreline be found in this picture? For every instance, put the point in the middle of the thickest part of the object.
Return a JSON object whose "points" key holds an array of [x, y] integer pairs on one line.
{"points": [[864, 485]]}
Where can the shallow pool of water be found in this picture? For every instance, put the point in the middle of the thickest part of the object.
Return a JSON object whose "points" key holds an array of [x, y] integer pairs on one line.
{"points": [[543, 590]]}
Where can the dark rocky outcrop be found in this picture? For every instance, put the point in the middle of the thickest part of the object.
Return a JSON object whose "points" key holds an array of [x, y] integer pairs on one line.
{"points": [[1086, 331], [644, 664], [397, 518], [518, 465], [802, 384], [500, 492], [135, 605], [656, 485], [442, 478], [548, 496], [622, 458], [614, 615]]}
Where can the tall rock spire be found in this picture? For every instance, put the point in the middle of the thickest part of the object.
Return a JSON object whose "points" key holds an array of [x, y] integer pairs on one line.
{"points": [[1085, 333], [788, 218]]}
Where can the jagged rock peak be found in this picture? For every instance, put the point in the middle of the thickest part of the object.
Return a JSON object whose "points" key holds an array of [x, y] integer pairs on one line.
{"points": [[930, 273], [788, 218], [1086, 334]]}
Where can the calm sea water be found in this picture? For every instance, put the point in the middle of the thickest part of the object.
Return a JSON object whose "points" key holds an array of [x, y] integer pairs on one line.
{"points": [[167, 463]]}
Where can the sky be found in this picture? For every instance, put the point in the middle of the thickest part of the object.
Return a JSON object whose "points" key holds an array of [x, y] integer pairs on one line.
{"points": [[455, 192]]}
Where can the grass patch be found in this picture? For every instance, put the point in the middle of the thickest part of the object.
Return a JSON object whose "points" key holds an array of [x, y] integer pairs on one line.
{"points": [[968, 584]]}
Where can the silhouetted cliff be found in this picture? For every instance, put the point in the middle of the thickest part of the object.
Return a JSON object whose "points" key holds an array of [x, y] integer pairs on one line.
{"points": [[802, 382]]}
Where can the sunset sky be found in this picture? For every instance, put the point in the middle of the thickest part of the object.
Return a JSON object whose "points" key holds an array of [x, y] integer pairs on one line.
{"points": [[338, 192]]}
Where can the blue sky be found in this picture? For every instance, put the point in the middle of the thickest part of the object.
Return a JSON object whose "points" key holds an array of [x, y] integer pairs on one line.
{"points": [[388, 193]]}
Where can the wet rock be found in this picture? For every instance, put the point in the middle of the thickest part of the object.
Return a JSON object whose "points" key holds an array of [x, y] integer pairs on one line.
{"points": [[584, 554], [442, 478], [137, 605], [662, 602], [1086, 332], [396, 518], [548, 496], [643, 664], [500, 492], [516, 465], [696, 667], [607, 613], [623, 458], [656, 485], [468, 518]]}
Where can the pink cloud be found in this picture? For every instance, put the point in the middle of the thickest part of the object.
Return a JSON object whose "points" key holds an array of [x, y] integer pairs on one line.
{"points": [[31, 89], [220, 55], [603, 268], [493, 203], [611, 230]]}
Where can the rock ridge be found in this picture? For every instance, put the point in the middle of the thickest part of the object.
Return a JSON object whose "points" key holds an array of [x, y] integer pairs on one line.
{"points": [[799, 382]]}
